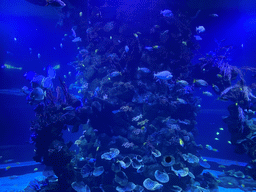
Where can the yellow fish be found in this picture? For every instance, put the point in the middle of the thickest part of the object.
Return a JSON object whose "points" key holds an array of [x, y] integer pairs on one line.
{"points": [[56, 67], [181, 142], [219, 75], [11, 67], [7, 168], [36, 169], [184, 43]]}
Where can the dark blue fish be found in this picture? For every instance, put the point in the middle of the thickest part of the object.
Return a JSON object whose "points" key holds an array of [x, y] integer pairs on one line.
{"points": [[90, 160], [116, 111], [37, 81], [47, 83], [30, 75], [51, 72]]}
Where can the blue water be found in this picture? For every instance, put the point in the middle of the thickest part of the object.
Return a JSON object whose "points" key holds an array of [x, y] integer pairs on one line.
{"points": [[28, 30]]}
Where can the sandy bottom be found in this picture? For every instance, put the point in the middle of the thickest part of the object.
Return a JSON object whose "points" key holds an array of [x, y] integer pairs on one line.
{"points": [[18, 183]]}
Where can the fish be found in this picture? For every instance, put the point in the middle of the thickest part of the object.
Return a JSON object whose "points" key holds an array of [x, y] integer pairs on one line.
{"points": [[53, 3], [90, 160], [167, 13], [207, 93], [115, 74], [68, 108], [184, 43], [165, 75], [219, 76], [7, 168], [181, 142], [148, 48], [51, 72], [126, 48], [182, 101], [198, 38], [8, 160], [47, 83], [214, 15], [122, 163], [210, 148], [216, 88], [7, 66], [221, 129], [144, 69], [38, 55], [135, 35], [116, 111], [77, 39], [37, 94], [182, 82], [13, 177], [56, 67], [80, 14], [200, 29], [61, 45], [200, 82], [73, 31], [109, 26]]}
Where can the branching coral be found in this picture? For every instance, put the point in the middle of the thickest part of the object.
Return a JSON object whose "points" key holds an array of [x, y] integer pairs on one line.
{"points": [[238, 92]]}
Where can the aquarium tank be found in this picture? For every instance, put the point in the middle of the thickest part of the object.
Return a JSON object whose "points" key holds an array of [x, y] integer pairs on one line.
{"points": [[127, 95]]}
